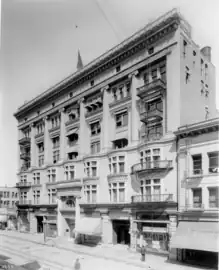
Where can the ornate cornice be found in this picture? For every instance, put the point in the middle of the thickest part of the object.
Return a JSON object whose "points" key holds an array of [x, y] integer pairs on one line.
{"points": [[147, 36]]}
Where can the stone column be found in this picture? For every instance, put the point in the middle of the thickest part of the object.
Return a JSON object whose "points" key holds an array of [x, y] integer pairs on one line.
{"points": [[107, 230], [47, 143], [132, 232], [62, 136], [60, 219], [105, 121], [33, 147], [77, 213], [84, 134], [134, 110], [33, 223]]}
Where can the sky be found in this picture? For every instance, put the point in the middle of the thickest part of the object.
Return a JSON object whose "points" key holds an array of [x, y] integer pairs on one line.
{"points": [[40, 41]]}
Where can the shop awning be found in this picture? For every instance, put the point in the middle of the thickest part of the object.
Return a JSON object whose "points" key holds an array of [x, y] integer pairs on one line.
{"points": [[89, 226], [196, 235]]}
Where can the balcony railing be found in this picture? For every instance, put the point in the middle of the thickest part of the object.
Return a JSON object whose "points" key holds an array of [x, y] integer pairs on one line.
{"points": [[24, 202], [213, 169], [152, 198], [39, 135], [151, 115], [214, 203], [155, 85], [152, 136], [24, 141], [152, 165], [23, 184], [52, 129], [67, 207], [72, 143], [25, 156]]}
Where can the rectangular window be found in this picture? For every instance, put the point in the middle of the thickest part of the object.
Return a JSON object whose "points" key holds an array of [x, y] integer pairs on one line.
{"points": [[41, 160], [151, 190], [154, 74], [197, 164], [40, 147], [117, 164], [52, 196], [122, 119], [69, 173], [202, 67], [213, 198], [51, 175], [95, 128], [91, 169], [117, 192], [206, 71], [95, 147], [213, 162], [40, 128], [188, 75], [56, 142], [36, 178], [36, 196], [55, 121], [55, 156], [90, 192], [197, 198]]}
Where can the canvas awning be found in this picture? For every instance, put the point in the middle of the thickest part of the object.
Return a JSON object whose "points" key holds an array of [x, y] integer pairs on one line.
{"points": [[197, 236], [89, 226]]}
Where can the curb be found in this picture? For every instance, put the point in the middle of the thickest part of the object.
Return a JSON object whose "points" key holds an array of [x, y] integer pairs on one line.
{"points": [[141, 265]]}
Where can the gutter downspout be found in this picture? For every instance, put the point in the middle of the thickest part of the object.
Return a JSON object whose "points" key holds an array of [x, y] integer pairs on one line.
{"points": [[178, 180]]}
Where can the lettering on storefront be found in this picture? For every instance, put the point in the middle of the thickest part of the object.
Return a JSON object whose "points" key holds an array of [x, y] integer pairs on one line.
{"points": [[155, 230]]}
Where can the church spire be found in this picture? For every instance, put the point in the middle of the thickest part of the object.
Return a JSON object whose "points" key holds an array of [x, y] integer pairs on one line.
{"points": [[80, 63]]}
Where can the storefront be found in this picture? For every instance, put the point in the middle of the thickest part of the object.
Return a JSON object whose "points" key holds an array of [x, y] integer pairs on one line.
{"points": [[121, 232], [23, 220], [196, 242]]}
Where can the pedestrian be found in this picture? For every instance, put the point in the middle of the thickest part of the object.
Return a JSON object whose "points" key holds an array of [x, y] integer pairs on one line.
{"points": [[143, 252], [77, 264]]}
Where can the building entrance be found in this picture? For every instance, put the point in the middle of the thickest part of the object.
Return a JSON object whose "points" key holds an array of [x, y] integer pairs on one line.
{"points": [[39, 224], [121, 232]]}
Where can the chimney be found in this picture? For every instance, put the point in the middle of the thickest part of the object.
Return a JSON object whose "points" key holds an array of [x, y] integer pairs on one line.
{"points": [[206, 51], [80, 63]]}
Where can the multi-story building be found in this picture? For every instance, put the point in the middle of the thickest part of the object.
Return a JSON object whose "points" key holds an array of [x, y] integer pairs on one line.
{"points": [[9, 197], [198, 170], [8, 209], [97, 152]]}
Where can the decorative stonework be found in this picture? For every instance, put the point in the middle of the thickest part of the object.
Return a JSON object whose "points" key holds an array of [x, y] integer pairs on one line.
{"points": [[120, 177]]}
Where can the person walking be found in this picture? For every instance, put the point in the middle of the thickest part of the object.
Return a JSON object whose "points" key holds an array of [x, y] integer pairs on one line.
{"points": [[143, 252], [77, 264]]}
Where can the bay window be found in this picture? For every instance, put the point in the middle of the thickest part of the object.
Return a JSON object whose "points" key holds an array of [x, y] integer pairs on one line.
{"points": [[117, 164], [117, 192], [90, 192]]}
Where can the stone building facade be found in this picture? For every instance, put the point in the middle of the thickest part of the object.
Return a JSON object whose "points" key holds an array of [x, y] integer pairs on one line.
{"points": [[97, 152]]}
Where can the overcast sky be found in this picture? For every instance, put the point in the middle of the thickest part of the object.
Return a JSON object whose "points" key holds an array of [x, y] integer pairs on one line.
{"points": [[39, 44]]}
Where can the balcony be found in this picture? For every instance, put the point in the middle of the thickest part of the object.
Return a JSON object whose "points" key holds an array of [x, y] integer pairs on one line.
{"points": [[25, 168], [54, 129], [152, 165], [77, 182], [152, 198], [196, 173], [25, 156], [24, 202], [153, 88], [213, 169], [67, 207], [23, 184], [24, 141], [151, 116]]}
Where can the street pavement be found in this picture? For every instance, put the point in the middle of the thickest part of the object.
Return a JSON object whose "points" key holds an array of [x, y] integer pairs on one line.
{"points": [[60, 254]]}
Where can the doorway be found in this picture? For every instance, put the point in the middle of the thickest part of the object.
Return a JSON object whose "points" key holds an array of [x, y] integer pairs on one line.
{"points": [[121, 232], [39, 224]]}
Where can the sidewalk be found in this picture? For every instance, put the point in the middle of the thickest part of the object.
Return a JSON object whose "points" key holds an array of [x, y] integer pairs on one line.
{"points": [[117, 253]]}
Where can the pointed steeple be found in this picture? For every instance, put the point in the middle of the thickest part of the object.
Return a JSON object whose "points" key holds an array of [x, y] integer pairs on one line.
{"points": [[80, 63]]}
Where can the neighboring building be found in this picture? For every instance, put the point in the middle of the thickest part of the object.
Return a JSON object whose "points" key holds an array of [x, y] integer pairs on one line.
{"points": [[198, 161], [8, 209], [97, 152]]}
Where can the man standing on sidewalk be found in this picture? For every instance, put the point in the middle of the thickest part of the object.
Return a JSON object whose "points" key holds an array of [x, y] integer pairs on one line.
{"points": [[143, 253]]}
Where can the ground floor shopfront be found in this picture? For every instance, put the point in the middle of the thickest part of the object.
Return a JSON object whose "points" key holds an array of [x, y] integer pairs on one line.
{"points": [[38, 219], [196, 238], [129, 225]]}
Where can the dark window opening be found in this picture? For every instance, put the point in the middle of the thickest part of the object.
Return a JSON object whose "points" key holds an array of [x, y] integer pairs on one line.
{"points": [[194, 53], [92, 82], [121, 143], [213, 162], [72, 139], [72, 155], [197, 164], [53, 104], [70, 94], [122, 119]]}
